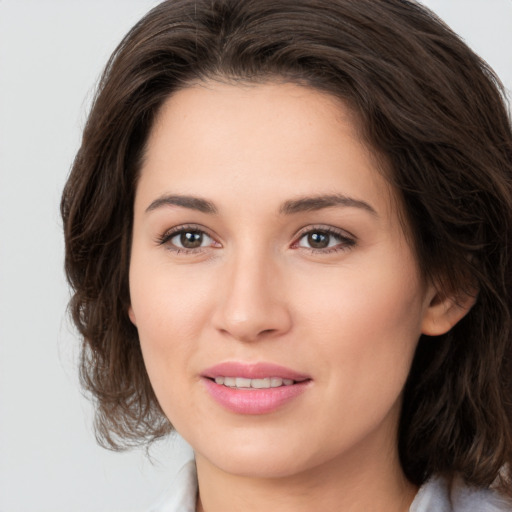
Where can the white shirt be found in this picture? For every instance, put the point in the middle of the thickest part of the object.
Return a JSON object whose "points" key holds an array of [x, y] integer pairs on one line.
{"points": [[436, 495]]}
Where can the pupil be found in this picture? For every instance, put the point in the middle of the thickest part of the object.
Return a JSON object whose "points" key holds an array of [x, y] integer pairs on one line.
{"points": [[318, 240], [191, 239]]}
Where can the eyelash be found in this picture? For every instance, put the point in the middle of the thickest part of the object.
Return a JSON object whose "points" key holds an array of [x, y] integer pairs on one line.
{"points": [[345, 240], [166, 238]]}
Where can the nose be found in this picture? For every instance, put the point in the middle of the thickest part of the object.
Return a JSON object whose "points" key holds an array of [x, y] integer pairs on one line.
{"points": [[252, 304]]}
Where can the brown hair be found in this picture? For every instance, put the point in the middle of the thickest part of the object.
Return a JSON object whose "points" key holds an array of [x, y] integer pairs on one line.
{"points": [[425, 101]]}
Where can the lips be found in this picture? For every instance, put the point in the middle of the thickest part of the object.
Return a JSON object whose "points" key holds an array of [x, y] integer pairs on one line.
{"points": [[253, 371], [258, 388]]}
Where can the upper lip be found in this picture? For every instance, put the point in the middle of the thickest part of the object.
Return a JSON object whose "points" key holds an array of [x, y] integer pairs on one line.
{"points": [[258, 370]]}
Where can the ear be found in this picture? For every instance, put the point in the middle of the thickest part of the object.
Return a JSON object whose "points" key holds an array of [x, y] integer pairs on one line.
{"points": [[131, 315], [443, 312]]}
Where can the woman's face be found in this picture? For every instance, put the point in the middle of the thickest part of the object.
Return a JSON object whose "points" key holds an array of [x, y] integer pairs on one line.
{"points": [[277, 300]]}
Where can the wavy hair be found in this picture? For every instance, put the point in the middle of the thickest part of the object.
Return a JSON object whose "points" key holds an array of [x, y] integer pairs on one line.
{"points": [[428, 106]]}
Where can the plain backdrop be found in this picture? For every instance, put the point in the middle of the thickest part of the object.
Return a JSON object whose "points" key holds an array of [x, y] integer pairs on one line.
{"points": [[51, 54]]}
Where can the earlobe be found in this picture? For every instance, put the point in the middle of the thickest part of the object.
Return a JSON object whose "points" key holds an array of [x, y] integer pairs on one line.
{"points": [[131, 315], [444, 312]]}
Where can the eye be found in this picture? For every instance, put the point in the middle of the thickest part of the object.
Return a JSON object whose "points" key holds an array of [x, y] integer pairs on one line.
{"points": [[325, 240], [190, 239], [187, 239]]}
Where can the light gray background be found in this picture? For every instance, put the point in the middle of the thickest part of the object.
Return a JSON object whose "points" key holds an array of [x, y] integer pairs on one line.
{"points": [[51, 53]]}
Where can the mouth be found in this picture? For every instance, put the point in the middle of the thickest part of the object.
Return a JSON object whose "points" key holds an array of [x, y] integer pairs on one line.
{"points": [[244, 383], [258, 388]]}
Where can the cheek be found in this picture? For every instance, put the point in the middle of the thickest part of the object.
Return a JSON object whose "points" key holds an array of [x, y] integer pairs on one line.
{"points": [[166, 300], [170, 311], [168, 323], [366, 322], [364, 327]]}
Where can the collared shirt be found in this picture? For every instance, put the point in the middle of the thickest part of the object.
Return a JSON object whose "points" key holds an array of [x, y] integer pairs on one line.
{"points": [[182, 494], [436, 495]]}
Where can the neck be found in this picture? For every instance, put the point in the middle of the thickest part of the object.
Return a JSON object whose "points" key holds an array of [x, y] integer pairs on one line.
{"points": [[353, 482]]}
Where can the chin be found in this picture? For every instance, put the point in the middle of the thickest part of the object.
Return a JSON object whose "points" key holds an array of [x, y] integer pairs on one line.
{"points": [[263, 458], [258, 465]]}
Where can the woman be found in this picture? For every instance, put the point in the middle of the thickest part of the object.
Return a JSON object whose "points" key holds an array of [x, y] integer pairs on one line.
{"points": [[288, 231]]}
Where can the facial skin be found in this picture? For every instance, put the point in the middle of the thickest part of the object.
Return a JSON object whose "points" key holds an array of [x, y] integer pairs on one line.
{"points": [[346, 313]]}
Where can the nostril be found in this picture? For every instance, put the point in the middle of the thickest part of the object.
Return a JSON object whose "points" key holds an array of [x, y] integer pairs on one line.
{"points": [[267, 331]]}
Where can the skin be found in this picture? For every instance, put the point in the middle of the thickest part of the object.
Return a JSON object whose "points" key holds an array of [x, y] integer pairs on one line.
{"points": [[348, 314]]}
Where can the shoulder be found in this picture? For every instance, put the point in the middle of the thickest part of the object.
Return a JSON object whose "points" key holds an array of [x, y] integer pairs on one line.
{"points": [[181, 496], [443, 495]]}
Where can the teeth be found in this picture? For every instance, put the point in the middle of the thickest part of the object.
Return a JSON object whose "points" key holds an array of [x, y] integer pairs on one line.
{"points": [[230, 381], [260, 383], [275, 382], [242, 382]]}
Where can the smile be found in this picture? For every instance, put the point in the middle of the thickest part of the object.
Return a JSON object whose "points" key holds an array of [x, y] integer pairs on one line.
{"points": [[245, 383], [254, 388]]}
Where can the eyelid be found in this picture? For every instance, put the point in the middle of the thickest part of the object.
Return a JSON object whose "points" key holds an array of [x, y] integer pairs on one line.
{"points": [[165, 238], [347, 239]]}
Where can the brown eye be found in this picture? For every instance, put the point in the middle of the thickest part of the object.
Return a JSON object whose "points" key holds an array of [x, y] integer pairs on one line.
{"points": [[318, 240], [326, 240], [189, 239]]}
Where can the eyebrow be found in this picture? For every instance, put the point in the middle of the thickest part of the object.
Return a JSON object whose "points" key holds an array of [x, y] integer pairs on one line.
{"points": [[193, 203], [302, 204], [313, 203]]}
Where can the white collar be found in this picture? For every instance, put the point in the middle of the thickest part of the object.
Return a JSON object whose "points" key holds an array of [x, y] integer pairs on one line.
{"points": [[182, 494]]}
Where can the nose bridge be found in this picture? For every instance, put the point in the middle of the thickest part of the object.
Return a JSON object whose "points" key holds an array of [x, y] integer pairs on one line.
{"points": [[253, 303]]}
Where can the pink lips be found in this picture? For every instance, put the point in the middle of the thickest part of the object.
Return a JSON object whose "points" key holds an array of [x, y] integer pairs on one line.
{"points": [[250, 400]]}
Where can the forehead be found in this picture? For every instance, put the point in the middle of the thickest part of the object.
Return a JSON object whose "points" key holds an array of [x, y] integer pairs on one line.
{"points": [[214, 136], [247, 106]]}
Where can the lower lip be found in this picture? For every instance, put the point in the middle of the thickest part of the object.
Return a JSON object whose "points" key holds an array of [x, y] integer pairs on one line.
{"points": [[254, 401]]}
